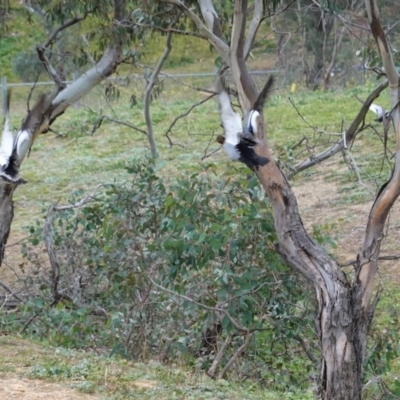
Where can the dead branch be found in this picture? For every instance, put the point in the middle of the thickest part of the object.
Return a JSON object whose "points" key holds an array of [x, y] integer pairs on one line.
{"points": [[351, 163], [212, 370], [237, 353], [306, 349], [176, 119], [205, 155], [214, 309], [12, 293], [349, 134], [104, 117]]}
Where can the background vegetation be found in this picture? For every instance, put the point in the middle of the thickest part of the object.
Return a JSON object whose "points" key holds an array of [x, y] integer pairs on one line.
{"points": [[181, 224]]}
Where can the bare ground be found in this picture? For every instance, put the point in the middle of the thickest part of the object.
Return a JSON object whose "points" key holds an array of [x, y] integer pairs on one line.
{"points": [[26, 389]]}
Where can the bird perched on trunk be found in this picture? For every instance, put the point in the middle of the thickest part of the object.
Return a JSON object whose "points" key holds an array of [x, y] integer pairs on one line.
{"points": [[380, 112], [11, 149], [239, 142]]}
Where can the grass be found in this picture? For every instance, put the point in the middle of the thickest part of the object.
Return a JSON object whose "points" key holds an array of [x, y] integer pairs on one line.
{"points": [[112, 378]]}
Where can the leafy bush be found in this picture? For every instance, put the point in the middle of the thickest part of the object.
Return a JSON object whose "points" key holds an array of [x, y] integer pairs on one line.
{"points": [[171, 269]]}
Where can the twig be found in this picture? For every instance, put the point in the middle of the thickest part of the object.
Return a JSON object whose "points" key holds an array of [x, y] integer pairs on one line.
{"points": [[25, 327], [237, 353], [218, 357], [208, 146], [315, 128], [103, 117], [199, 89], [12, 293], [214, 309], [306, 348], [353, 166], [49, 68], [48, 239], [65, 25], [381, 258], [184, 115]]}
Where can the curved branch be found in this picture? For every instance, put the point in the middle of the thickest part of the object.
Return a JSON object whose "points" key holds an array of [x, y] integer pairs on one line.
{"points": [[187, 112], [147, 95], [368, 259], [65, 25], [211, 17], [240, 74], [254, 25], [349, 134], [221, 47]]}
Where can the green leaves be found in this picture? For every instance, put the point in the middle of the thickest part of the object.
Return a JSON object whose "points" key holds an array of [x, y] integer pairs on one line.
{"points": [[207, 238]]}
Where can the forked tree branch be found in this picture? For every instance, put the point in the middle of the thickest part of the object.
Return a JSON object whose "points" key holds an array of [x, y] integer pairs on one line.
{"points": [[117, 121], [53, 35], [211, 17], [349, 134], [221, 47], [237, 353], [213, 369], [187, 112], [253, 28], [240, 74]]}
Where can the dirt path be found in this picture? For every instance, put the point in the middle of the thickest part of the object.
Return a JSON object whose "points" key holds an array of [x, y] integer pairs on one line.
{"points": [[26, 389]]}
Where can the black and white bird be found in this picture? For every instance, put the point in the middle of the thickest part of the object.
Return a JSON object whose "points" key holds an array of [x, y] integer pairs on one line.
{"points": [[12, 150], [239, 142], [380, 112]]}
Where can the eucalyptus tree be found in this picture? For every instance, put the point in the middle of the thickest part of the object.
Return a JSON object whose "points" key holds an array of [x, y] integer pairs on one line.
{"points": [[110, 38], [346, 303]]}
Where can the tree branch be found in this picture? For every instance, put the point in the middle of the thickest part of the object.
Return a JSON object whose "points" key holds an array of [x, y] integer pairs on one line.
{"points": [[103, 117], [221, 47], [52, 37], [211, 17], [368, 259], [212, 370], [237, 353], [214, 309], [147, 96], [187, 112], [254, 25], [349, 134]]}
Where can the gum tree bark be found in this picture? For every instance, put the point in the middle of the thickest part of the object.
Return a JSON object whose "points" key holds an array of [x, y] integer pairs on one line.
{"points": [[54, 104], [346, 307]]}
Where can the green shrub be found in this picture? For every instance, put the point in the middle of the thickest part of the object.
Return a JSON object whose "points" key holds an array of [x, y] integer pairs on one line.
{"points": [[206, 241]]}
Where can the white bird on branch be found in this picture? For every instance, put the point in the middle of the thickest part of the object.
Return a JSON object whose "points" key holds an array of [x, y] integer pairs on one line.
{"points": [[239, 142]]}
